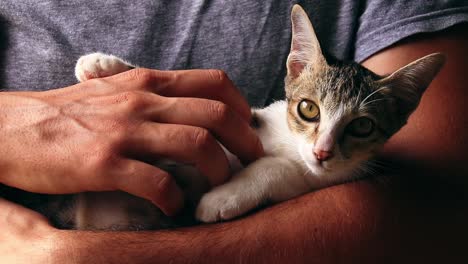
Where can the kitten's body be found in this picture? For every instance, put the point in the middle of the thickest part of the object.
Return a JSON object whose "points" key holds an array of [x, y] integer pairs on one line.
{"points": [[279, 176], [334, 118]]}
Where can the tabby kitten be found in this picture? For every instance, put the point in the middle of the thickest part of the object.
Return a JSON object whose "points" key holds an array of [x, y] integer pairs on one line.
{"points": [[336, 116]]}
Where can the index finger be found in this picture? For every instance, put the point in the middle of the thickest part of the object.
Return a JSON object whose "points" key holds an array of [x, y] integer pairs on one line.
{"points": [[210, 84]]}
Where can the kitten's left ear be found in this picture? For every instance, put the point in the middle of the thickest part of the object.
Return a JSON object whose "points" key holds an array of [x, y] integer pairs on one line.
{"points": [[305, 47], [408, 83]]}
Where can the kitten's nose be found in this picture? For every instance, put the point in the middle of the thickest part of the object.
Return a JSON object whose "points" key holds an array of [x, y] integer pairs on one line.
{"points": [[323, 155]]}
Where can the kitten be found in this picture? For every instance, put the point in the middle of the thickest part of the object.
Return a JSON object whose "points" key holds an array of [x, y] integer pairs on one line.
{"points": [[336, 116]]}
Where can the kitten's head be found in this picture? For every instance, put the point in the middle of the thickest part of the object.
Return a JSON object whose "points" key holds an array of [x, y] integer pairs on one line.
{"points": [[343, 112]]}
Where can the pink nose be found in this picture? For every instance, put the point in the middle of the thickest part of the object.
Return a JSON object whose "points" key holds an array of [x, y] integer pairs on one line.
{"points": [[323, 155]]}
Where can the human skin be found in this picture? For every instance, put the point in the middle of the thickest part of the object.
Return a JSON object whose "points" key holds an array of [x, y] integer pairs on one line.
{"points": [[98, 135], [416, 213]]}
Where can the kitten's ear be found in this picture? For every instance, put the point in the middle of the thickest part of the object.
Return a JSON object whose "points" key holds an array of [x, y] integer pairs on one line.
{"points": [[305, 48], [408, 83]]}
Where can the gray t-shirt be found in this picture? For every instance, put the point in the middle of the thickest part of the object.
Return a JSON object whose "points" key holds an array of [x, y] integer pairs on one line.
{"points": [[40, 41]]}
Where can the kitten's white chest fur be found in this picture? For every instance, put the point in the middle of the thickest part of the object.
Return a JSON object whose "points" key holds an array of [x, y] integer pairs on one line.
{"points": [[273, 130], [278, 176]]}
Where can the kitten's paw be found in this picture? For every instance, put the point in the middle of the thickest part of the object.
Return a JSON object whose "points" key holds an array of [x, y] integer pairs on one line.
{"points": [[97, 65], [220, 205]]}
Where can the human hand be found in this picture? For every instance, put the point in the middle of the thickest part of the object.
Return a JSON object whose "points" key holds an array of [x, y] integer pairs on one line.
{"points": [[102, 134]]}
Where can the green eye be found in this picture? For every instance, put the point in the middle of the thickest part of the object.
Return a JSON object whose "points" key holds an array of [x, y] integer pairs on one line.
{"points": [[308, 110], [361, 127]]}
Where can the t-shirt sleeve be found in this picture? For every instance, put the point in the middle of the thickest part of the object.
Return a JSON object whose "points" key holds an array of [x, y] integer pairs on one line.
{"points": [[383, 23]]}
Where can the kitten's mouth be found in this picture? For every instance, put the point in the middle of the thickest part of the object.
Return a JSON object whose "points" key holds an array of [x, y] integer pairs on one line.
{"points": [[316, 166], [323, 165], [320, 163]]}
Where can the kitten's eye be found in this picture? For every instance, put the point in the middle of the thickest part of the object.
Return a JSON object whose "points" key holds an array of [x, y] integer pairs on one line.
{"points": [[308, 110], [361, 127]]}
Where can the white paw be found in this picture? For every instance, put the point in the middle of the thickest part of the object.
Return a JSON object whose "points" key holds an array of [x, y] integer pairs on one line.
{"points": [[220, 204], [97, 65]]}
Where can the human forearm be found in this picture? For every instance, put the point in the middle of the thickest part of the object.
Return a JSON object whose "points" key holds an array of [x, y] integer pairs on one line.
{"points": [[196, 245], [369, 221], [404, 219]]}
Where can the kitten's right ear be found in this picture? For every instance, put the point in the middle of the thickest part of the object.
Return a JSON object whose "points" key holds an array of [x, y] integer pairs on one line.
{"points": [[407, 84], [305, 47]]}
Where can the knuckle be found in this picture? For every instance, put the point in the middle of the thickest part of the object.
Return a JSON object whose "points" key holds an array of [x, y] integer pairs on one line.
{"points": [[219, 113], [173, 76], [218, 75], [132, 100], [118, 140], [201, 138], [141, 75]]}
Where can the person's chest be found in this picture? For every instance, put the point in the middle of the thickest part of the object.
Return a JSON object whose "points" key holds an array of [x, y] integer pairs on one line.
{"points": [[247, 39]]}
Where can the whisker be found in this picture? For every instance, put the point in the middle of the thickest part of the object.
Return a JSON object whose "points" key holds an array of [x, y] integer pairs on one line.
{"points": [[374, 92], [307, 171], [373, 101]]}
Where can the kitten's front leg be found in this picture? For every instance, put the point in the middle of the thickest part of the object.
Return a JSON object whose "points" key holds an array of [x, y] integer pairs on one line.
{"points": [[98, 65], [270, 178]]}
